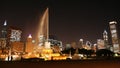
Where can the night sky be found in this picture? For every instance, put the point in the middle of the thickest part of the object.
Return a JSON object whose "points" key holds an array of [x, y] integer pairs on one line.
{"points": [[70, 20]]}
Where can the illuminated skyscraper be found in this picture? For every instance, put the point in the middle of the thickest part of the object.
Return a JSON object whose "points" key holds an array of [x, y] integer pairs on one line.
{"points": [[4, 30], [17, 47], [14, 34], [14, 40], [3, 38], [73, 45], [95, 47], [68, 46], [114, 35], [100, 44], [80, 44], [29, 45], [105, 38], [41, 40]]}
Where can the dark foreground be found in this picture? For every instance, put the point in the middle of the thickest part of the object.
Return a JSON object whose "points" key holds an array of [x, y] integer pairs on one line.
{"points": [[109, 63]]}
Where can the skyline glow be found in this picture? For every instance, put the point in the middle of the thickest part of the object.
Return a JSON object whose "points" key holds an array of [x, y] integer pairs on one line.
{"points": [[69, 21]]}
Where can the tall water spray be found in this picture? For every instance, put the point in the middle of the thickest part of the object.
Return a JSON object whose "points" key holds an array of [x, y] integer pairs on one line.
{"points": [[43, 30]]}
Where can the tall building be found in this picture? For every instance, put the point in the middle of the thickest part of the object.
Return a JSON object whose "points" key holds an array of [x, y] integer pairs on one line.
{"points": [[94, 47], [3, 37], [67, 46], [100, 44], [14, 39], [4, 30], [56, 43], [114, 35], [41, 40], [80, 44], [17, 47], [29, 45], [105, 38], [14, 34]]}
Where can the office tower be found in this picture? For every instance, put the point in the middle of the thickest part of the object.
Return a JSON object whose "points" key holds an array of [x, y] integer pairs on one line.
{"points": [[14, 40], [94, 47], [100, 44], [29, 45], [73, 45], [114, 35], [54, 42], [3, 38], [14, 34], [41, 40], [80, 44], [68, 46], [4, 30], [17, 47], [105, 38]]}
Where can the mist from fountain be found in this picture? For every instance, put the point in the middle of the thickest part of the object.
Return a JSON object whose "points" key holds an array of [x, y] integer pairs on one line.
{"points": [[43, 29]]}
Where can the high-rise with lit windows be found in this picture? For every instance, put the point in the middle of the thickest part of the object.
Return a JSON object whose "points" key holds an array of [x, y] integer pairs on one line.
{"points": [[3, 38], [114, 35], [105, 38], [29, 44]]}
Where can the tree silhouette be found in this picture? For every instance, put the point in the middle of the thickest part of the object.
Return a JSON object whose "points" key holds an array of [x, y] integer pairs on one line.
{"points": [[104, 53], [72, 50], [82, 51]]}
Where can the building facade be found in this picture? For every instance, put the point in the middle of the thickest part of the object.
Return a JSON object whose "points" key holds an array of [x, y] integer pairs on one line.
{"points": [[3, 36], [14, 39], [29, 45], [105, 38], [100, 44], [114, 35]]}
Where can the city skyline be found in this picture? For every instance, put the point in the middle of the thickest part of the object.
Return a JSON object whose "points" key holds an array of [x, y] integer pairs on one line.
{"points": [[69, 21]]}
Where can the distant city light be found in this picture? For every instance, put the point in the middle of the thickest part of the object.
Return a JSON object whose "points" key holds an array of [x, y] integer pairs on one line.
{"points": [[81, 39], [50, 49], [116, 55], [33, 41], [95, 44]]}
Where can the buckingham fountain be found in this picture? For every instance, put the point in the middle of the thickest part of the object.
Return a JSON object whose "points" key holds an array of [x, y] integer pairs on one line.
{"points": [[43, 47]]}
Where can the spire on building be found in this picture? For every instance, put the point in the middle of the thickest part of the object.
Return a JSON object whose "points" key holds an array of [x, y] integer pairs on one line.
{"points": [[4, 30], [3, 35], [30, 36], [105, 38], [5, 23], [105, 32], [105, 35]]}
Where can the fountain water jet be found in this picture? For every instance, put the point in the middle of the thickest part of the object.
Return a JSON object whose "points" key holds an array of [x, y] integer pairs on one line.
{"points": [[43, 30], [43, 48]]}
